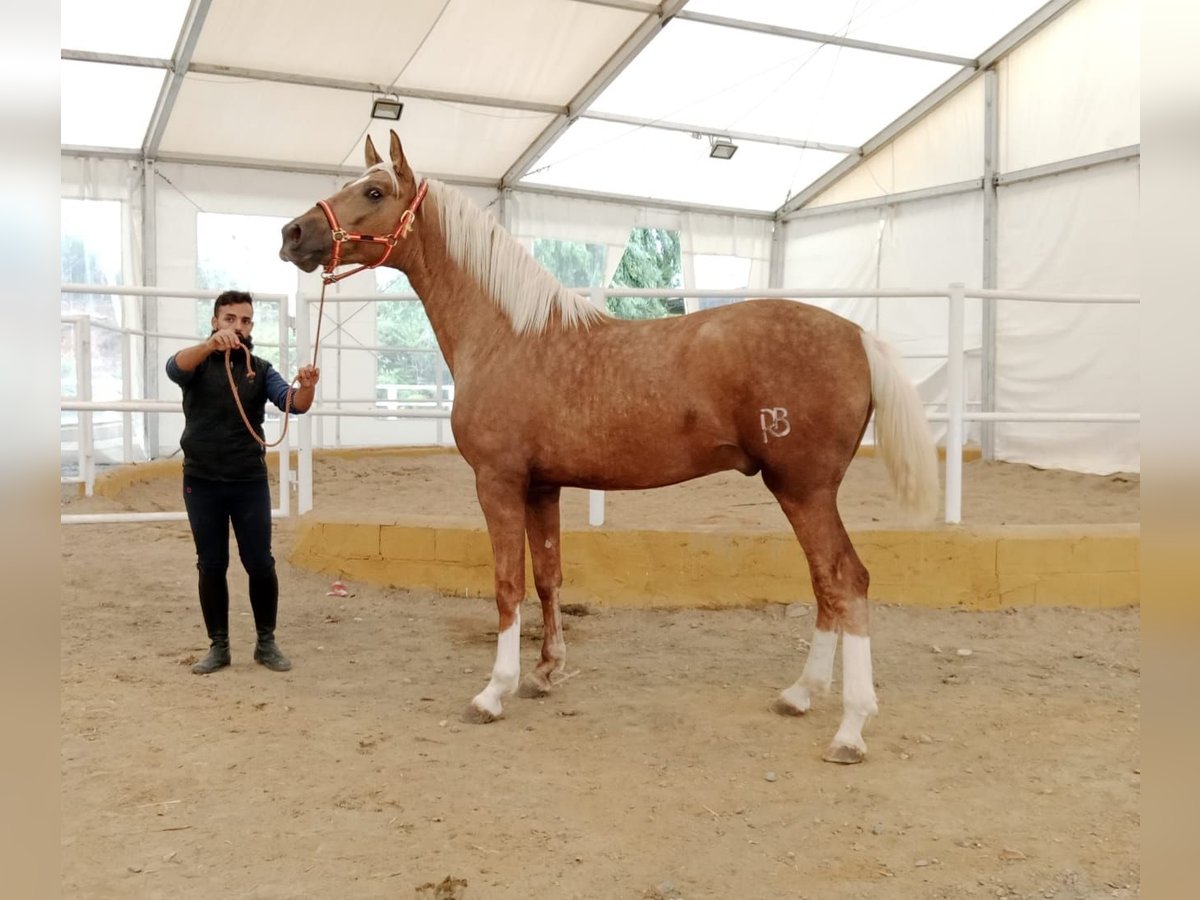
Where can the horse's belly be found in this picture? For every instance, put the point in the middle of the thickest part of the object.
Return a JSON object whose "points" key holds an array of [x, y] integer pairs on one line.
{"points": [[635, 468]]}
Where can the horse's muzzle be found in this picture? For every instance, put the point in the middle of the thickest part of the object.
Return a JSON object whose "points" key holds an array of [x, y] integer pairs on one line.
{"points": [[306, 241]]}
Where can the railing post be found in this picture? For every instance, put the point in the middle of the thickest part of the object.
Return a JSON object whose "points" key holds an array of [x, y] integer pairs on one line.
{"points": [[83, 390], [438, 386], [955, 403], [596, 498], [126, 394]]}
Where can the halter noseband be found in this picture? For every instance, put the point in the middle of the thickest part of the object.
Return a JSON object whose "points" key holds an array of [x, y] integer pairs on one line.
{"points": [[341, 236]]}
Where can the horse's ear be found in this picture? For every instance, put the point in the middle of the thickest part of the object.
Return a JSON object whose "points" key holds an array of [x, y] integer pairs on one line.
{"points": [[399, 163], [372, 156]]}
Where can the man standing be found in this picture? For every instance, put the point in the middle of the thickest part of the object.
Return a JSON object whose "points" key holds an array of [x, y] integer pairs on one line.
{"points": [[225, 472]]}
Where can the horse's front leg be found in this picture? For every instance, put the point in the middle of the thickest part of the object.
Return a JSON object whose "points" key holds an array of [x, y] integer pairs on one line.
{"points": [[542, 526], [502, 499]]}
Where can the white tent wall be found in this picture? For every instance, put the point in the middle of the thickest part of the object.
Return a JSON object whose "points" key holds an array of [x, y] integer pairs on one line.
{"points": [[707, 234], [1070, 91], [1070, 233], [119, 181], [1073, 88], [927, 243], [182, 193], [944, 147], [186, 190], [1078, 233], [532, 216]]}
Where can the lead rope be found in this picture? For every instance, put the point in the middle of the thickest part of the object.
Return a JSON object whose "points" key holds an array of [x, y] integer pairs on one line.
{"points": [[250, 375]]}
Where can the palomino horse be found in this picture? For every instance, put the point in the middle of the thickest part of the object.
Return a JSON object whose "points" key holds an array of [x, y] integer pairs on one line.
{"points": [[551, 392]]}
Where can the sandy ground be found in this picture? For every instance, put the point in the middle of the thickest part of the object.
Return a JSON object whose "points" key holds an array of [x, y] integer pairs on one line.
{"points": [[656, 771], [388, 485]]}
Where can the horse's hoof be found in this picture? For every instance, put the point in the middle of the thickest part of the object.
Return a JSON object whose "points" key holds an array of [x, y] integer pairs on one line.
{"points": [[533, 687], [480, 715], [844, 754], [784, 707]]}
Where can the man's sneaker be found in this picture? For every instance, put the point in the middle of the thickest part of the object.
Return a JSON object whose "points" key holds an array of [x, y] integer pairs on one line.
{"points": [[269, 654], [217, 658]]}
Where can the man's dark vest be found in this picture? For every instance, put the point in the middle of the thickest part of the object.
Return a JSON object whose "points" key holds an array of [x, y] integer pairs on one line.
{"points": [[215, 442]]}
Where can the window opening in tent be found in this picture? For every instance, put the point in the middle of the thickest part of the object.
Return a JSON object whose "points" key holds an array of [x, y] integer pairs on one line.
{"points": [[651, 260], [409, 369], [717, 272], [241, 252], [91, 253]]}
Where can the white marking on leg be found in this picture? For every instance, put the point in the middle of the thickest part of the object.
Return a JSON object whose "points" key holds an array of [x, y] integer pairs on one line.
{"points": [[818, 671], [507, 671], [858, 691], [560, 646]]}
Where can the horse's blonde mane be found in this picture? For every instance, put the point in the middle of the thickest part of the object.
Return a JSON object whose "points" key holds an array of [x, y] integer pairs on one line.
{"points": [[518, 284]]}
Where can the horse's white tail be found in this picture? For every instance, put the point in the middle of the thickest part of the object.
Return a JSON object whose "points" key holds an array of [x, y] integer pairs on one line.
{"points": [[902, 435]]}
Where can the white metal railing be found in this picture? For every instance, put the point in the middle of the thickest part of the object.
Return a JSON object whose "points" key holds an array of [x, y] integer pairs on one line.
{"points": [[958, 412], [84, 404]]}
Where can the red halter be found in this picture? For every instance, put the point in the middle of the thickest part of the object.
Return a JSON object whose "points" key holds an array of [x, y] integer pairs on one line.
{"points": [[341, 236]]}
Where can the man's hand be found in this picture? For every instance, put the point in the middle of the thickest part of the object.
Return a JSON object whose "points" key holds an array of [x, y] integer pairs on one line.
{"points": [[225, 339], [309, 376]]}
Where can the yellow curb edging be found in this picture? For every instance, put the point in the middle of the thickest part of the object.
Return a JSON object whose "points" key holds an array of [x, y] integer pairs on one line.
{"points": [[1087, 566]]}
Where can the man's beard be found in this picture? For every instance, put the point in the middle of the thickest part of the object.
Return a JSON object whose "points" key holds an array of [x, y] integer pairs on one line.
{"points": [[244, 338]]}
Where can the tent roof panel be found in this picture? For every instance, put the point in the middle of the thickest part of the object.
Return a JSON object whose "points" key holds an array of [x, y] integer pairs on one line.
{"points": [[352, 40], [133, 27], [959, 27], [240, 118], [541, 50], [783, 86], [91, 118], [665, 165], [537, 55]]}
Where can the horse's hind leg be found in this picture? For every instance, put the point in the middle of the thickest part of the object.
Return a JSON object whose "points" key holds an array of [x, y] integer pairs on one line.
{"points": [[502, 498], [542, 527], [840, 583]]}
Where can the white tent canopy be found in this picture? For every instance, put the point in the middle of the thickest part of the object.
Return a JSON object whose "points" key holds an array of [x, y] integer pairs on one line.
{"points": [[879, 144], [616, 97]]}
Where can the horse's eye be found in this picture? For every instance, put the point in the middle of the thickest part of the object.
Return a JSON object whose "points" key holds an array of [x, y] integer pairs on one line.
{"points": [[375, 194]]}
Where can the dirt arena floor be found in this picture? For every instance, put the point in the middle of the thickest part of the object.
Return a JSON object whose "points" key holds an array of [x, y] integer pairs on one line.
{"points": [[380, 485], [655, 771]]}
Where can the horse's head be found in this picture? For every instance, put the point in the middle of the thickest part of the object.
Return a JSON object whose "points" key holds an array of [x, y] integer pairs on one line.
{"points": [[365, 222]]}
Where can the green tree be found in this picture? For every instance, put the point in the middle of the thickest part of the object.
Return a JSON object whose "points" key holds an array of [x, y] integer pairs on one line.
{"points": [[403, 324], [210, 276], [575, 264], [651, 260]]}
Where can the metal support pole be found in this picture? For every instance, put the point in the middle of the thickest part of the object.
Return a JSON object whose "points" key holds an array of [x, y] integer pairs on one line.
{"points": [[778, 248], [991, 165], [955, 407], [150, 304]]}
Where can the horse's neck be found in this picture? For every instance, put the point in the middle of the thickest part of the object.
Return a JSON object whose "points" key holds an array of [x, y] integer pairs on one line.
{"points": [[463, 317]]}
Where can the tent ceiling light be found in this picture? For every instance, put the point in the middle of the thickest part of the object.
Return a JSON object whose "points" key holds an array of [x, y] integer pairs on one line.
{"points": [[721, 148], [387, 109]]}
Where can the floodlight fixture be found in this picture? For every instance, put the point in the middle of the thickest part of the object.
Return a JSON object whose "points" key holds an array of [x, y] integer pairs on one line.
{"points": [[721, 148], [387, 109]]}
